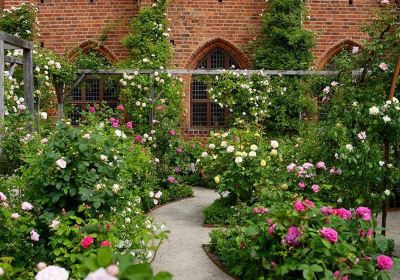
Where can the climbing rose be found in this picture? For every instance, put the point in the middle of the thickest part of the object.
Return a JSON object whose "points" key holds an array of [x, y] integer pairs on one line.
{"points": [[26, 206], [362, 135], [299, 206], [34, 236], [92, 109], [87, 241], [51, 273], [329, 234], [364, 213], [61, 163], [105, 243], [115, 124], [384, 262], [292, 236]]}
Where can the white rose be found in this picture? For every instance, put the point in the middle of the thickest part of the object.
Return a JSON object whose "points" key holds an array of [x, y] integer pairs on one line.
{"points": [[224, 144], [274, 144], [115, 188], [118, 133], [43, 115], [253, 147], [374, 110], [349, 147], [61, 163], [103, 158], [54, 224], [274, 152], [386, 119], [211, 146], [252, 154], [381, 163], [100, 274], [204, 154], [52, 272], [238, 160], [151, 194], [224, 135], [387, 192], [230, 149]]}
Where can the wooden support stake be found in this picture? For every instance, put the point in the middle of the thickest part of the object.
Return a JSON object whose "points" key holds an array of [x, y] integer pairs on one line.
{"points": [[28, 81]]}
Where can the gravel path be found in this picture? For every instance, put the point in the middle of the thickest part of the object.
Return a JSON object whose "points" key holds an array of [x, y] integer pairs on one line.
{"points": [[182, 254]]}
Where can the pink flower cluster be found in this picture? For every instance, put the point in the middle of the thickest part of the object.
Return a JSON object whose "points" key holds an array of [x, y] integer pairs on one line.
{"points": [[329, 234], [384, 262], [341, 212], [338, 276], [364, 213], [301, 206], [292, 236], [260, 210], [114, 122]]}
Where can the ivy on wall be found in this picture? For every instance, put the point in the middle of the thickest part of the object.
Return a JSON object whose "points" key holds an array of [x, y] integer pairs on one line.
{"points": [[284, 43]]}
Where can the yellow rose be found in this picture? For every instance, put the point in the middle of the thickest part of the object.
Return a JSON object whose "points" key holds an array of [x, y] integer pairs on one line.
{"points": [[263, 163], [217, 179]]}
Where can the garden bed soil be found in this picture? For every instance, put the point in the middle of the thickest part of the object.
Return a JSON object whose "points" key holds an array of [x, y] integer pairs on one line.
{"points": [[214, 258]]}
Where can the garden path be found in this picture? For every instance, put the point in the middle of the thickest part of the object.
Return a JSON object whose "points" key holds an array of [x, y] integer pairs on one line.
{"points": [[182, 254]]}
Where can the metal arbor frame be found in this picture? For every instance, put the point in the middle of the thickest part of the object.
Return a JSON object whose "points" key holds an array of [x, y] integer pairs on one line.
{"points": [[10, 42]]}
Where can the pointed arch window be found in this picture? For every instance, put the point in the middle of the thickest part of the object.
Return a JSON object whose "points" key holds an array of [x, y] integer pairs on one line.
{"points": [[204, 112]]}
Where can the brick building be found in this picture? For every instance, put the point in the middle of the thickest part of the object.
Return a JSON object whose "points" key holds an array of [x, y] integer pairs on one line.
{"points": [[205, 33]]}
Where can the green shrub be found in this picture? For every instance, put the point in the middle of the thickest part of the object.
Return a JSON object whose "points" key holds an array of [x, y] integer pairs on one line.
{"points": [[176, 192], [219, 212]]}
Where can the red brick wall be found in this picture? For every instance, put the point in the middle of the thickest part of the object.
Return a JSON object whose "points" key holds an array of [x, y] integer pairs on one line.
{"points": [[336, 21], [65, 24]]}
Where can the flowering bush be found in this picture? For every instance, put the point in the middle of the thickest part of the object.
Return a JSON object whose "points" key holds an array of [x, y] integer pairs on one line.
{"points": [[302, 240], [236, 161]]}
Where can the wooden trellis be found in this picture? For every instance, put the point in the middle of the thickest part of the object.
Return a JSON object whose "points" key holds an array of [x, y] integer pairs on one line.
{"points": [[10, 42]]}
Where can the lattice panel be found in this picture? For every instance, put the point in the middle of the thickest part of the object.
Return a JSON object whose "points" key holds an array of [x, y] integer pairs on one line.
{"points": [[199, 90], [218, 59], [92, 90], [199, 114], [217, 115], [110, 91], [76, 93]]}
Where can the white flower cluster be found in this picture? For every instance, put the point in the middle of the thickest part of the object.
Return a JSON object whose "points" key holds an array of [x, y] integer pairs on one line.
{"points": [[389, 112]]}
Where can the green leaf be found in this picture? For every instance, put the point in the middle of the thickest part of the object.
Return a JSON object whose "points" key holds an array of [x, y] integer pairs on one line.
{"points": [[104, 256], [252, 230], [163, 276], [382, 243]]}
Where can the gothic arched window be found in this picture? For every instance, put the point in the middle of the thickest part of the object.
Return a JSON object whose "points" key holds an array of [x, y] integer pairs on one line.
{"points": [[204, 112]]}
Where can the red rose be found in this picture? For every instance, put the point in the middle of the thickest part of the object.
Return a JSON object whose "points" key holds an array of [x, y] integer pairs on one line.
{"points": [[87, 241], [105, 244]]}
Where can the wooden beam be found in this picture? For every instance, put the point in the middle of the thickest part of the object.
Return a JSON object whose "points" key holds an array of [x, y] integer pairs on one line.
{"points": [[1, 82], [28, 80], [12, 69], [212, 72], [13, 60], [15, 41]]}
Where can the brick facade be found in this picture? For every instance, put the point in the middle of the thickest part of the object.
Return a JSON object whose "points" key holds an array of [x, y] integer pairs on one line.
{"points": [[197, 26]]}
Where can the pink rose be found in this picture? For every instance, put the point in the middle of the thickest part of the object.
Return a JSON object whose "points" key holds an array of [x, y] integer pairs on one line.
{"points": [[299, 206], [291, 167], [364, 213], [138, 138], [383, 66], [329, 234], [171, 179], [160, 108], [270, 221], [342, 212], [111, 120], [326, 210], [271, 229], [113, 270], [384, 262], [309, 203], [179, 150], [105, 243], [315, 188], [321, 165], [129, 125], [120, 107], [292, 236], [3, 197], [92, 109], [172, 132], [87, 241], [115, 124], [260, 210], [302, 185]]}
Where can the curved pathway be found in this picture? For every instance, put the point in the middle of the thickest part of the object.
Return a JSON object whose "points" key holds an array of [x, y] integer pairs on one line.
{"points": [[182, 254]]}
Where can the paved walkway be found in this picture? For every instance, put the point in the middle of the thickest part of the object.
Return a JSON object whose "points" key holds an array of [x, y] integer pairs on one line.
{"points": [[182, 254]]}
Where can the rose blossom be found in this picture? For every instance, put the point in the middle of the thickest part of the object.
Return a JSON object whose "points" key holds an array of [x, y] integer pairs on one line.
{"points": [[112, 120], [51, 273], [92, 109], [26, 206], [292, 236], [61, 163], [14, 216], [383, 66], [362, 135], [302, 185], [342, 212], [87, 241], [113, 270], [120, 107], [315, 188], [138, 138], [115, 124], [260, 210], [364, 213], [308, 165], [100, 274], [34, 236], [321, 165], [291, 167], [171, 179], [172, 132], [299, 206], [105, 243], [326, 210], [329, 234], [384, 262], [309, 203], [3, 197], [271, 229], [129, 125], [179, 150]]}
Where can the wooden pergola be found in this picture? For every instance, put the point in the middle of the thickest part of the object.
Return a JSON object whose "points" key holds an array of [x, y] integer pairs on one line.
{"points": [[10, 42]]}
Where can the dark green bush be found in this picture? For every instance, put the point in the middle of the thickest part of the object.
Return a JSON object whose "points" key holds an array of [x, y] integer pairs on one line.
{"points": [[219, 212]]}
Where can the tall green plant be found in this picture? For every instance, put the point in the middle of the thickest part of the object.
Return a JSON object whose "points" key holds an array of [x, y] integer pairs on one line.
{"points": [[284, 43]]}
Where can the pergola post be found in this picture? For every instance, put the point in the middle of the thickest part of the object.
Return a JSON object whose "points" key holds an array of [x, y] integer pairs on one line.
{"points": [[28, 80]]}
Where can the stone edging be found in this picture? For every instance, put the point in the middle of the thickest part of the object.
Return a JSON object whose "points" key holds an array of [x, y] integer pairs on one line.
{"points": [[214, 258]]}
